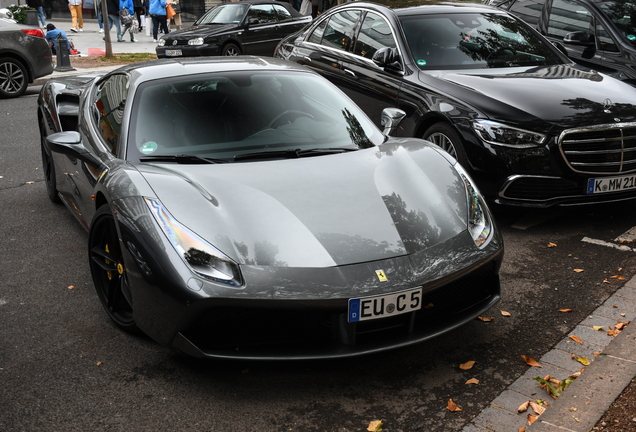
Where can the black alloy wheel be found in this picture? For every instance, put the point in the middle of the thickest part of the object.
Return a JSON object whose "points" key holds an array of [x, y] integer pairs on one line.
{"points": [[49, 170], [13, 78], [231, 50], [443, 135], [108, 271]]}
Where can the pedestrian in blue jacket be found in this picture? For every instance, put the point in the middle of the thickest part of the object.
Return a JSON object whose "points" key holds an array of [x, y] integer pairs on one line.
{"points": [[51, 35], [158, 13], [127, 20]]}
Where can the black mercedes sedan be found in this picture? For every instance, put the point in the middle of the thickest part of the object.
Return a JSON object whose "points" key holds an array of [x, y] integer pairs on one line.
{"points": [[532, 127], [246, 208], [252, 27]]}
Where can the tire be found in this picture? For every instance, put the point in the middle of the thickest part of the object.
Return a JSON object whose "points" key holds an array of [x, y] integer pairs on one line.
{"points": [[48, 167], [231, 50], [108, 271], [14, 79], [444, 135]]}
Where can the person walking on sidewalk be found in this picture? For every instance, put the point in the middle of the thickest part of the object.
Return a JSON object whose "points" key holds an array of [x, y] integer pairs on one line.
{"points": [[113, 17], [158, 13], [98, 10], [38, 6], [75, 6], [126, 14]]}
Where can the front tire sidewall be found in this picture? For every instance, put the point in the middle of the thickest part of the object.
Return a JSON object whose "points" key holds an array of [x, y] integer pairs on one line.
{"points": [[230, 49], [12, 74], [448, 132]]}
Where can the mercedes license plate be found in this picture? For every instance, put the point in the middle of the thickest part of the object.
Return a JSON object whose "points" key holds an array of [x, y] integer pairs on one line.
{"points": [[368, 308], [173, 53], [611, 184]]}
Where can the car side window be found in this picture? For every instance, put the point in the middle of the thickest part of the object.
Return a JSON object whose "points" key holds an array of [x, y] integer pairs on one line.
{"points": [[528, 10], [108, 109], [283, 14], [264, 13], [339, 31], [567, 16], [374, 34], [316, 35], [605, 40]]}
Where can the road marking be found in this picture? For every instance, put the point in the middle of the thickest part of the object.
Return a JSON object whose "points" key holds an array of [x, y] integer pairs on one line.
{"points": [[608, 244], [627, 236]]}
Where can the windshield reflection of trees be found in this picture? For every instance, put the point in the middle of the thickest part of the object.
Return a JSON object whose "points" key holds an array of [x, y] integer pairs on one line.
{"points": [[621, 13], [356, 131]]}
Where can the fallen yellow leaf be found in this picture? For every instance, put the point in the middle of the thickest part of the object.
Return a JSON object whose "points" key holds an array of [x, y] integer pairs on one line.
{"points": [[576, 339], [467, 365], [537, 408], [583, 361], [375, 426], [573, 409], [523, 407], [578, 270], [617, 277], [565, 310], [472, 381], [597, 328], [530, 361], [551, 245], [532, 418], [452, 406], [486, 319], [606, 281], [504, 313], [577, 420]]}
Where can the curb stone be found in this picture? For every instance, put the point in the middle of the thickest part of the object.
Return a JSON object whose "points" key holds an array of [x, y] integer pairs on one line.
{"points": [[585, 401]]}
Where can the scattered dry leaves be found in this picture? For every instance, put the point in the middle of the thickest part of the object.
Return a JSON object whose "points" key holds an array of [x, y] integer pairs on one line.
{"points": [[521, 429], [606, 281], [375, 426], [530, 361], [614, 306], [551, 245], [617, 277], [597, 328], [578, 270], [504, 313], [452, 406], [565, 310], [619, 325], [583, 361], [71, 287], [472, 381], [467, 365], [99, 363], [532, 418], [575, 374], [597, 353], [523, 407], [537, 408], [576, 339], [486, 319], [622, 314]]}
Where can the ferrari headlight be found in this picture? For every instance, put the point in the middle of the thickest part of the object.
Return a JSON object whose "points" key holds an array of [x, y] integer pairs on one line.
{"points": [[196, 41], [162, 42], [203, 258], [508, 136], [479, 219]]}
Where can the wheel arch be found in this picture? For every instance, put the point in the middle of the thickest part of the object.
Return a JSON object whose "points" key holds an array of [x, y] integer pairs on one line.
{"points": [[231, 41], [429, 120], [100, 200]]}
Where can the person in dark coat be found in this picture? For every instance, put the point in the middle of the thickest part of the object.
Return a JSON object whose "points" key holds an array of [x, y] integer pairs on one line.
{"points": [[113, 17], [38, 6], [139, 11]]}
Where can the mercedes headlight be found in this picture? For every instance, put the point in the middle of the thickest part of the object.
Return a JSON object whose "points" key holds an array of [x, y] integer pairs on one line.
{"points": [[204, 259], [508, 136], [479, 220], [162, 42], [196, 41]]}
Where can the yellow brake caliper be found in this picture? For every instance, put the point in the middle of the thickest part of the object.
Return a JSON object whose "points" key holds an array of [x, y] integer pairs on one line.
{"points": [[108, 272]]}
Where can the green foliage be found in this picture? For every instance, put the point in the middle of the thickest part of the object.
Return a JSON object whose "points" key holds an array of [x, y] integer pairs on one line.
{"points": [[556, 390], [19, 12]]}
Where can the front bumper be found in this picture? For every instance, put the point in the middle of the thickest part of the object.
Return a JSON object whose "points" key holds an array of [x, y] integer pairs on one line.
{"points": [[187, 50]]}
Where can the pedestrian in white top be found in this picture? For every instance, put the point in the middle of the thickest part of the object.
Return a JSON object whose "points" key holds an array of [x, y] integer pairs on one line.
{"points": [[75, 6]]}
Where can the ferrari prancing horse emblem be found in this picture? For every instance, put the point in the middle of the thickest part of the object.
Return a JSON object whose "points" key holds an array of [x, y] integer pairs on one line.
{"points": [[381, 275]]}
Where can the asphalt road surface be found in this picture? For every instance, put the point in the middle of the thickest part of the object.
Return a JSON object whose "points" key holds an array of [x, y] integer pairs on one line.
{"points": [[64, 366]]}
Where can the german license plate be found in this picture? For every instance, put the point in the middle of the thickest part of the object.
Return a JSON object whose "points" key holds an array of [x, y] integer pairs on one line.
{"points": [[173, 53], [611, 184], [368, 308]]}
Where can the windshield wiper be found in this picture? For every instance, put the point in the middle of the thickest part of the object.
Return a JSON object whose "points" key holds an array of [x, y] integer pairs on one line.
{"points": [[292, 153], [181, 159]]}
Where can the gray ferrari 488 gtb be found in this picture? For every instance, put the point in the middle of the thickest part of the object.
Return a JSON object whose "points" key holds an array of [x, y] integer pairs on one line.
{"points": [[246, 208]]}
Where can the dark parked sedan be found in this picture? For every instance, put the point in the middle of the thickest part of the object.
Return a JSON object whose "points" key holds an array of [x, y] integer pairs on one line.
{"points": [[534, 128], [600, 34], [246, 208], [248, 27], [24, 56]]}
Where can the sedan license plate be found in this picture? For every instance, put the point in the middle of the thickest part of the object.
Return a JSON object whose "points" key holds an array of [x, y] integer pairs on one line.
{"points": [[368, 308], [611, 184], [173, 53]]}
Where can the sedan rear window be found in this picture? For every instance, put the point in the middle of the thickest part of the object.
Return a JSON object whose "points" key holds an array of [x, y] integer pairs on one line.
{"points": [[474, 41], [225, 116]]}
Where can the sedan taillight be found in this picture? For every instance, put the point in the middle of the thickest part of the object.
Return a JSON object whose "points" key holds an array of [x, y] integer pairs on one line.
{"points": [[33, 32]]}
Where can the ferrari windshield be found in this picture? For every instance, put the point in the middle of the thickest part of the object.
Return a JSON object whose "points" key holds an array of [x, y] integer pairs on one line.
{"points": [[474, 41], [622, 14], [224, 14], [236, 116]]}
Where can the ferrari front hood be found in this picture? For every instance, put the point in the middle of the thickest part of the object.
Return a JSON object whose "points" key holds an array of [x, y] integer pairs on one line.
{"points": [[319, 211]]}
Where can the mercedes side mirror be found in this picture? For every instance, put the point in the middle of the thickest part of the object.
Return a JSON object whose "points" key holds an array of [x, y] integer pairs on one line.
{"points": [[580, 38], [70, 144], [391, 118], [387, 58]]}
